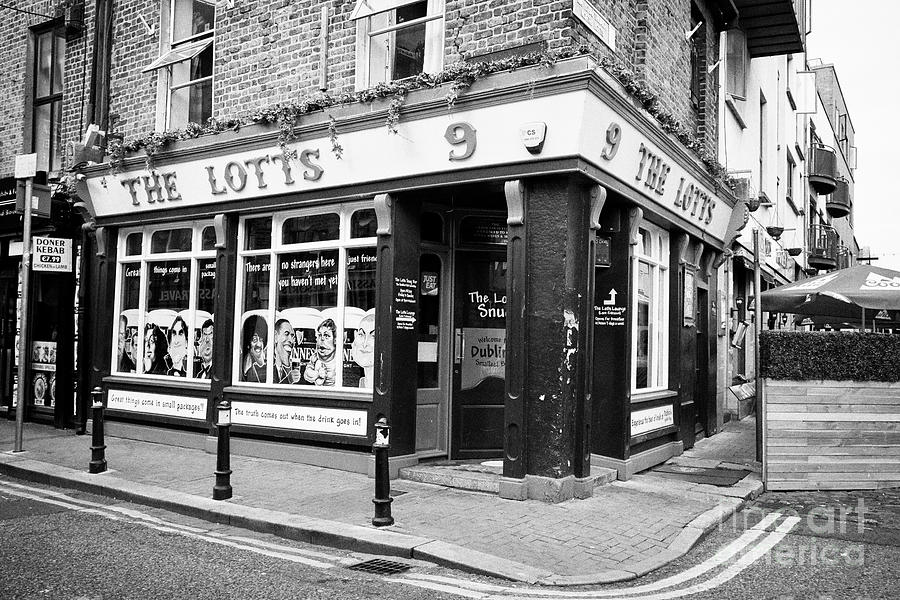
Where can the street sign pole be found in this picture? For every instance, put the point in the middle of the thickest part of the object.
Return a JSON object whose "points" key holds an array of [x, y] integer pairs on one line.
{"points": [[25, 169]]}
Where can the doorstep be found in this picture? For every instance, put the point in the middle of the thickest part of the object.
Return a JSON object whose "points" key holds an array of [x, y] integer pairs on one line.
{"points": [[477, 476]]}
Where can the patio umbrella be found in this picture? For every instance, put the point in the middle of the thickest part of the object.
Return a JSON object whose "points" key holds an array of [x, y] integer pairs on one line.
{"points": [[845, 293]]}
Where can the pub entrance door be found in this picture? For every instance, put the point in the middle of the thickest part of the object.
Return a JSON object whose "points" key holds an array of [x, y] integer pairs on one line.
{"points": [[479, 369]]}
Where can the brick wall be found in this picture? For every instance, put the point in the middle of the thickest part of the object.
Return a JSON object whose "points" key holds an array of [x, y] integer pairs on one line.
{"points": [[268, 51], [15, 38]]}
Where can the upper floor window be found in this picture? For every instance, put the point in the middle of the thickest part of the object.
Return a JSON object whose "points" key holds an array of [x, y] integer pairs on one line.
{"points": [[736, 64], [698, 58], [186, 63], [396, 39], [46, 100], [651, 308]]}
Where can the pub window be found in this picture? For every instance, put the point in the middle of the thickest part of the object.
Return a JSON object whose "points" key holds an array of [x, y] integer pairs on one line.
{"points": [[650, 305], [306, 299], [185, 65], [165, 301], [396, 39], [46, 100]]}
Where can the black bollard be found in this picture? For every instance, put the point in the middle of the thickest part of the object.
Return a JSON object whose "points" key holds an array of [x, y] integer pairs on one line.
{"points": [[222, 489], [382, 499], [98, 448]]}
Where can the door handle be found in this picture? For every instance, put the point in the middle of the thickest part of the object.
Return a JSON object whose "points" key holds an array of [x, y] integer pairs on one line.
{"points": [[459, 347]]}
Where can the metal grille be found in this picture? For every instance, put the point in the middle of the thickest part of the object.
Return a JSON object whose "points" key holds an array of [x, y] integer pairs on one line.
{"points": [[379, 566]]}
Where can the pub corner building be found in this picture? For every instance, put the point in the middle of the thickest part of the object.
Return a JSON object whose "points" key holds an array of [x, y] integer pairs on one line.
{"points": [[531, 275]]}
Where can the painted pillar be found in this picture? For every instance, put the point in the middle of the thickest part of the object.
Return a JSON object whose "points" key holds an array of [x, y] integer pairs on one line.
{"points": [[226, 227], [396, 342], [548, 283]]}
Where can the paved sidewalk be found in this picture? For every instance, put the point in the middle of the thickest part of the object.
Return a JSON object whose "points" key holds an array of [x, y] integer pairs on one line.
{"points": [[626, 530]]}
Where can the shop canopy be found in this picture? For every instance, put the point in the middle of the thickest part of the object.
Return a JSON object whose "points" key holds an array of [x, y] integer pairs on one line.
{"points": [[845, 293]]}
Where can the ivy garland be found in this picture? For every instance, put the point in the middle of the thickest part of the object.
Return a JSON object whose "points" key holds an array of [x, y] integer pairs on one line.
{"points": [[460, 75]]}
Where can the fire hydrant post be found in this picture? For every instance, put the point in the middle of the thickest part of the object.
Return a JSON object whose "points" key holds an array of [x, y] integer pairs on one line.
{"points": [[98, 448], [222, 489], [382, 498]]}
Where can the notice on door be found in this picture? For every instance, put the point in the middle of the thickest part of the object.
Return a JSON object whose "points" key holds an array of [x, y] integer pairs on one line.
{"points": [[484, 355]]}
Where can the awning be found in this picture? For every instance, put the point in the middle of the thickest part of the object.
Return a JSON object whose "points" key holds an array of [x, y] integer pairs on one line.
{"points": [[367, 8], [176, 55]]}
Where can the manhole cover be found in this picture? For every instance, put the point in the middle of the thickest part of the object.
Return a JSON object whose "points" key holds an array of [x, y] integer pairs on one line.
{"points": [[380, 566], [711, 476]]}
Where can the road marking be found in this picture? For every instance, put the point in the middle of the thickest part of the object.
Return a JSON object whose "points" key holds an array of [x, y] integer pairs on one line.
{"points": [[136, 517], [728, 553]]}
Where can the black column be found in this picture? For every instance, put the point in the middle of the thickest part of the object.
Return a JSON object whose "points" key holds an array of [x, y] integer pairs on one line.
{"points": [[547, 330], [226, 227], [396, 316]]}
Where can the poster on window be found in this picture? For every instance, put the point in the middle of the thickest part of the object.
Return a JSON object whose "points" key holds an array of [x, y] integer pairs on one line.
{"points": [[484, 355]]}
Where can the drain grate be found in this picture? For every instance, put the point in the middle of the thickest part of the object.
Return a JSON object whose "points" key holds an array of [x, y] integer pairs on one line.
{"points": [[379, 566]]}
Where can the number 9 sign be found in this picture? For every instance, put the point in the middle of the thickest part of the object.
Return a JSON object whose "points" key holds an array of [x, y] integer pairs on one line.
{"points": [[458, 134]]}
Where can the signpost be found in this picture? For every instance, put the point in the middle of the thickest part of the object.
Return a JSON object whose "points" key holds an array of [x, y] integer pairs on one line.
{"points": [[26, 167]]}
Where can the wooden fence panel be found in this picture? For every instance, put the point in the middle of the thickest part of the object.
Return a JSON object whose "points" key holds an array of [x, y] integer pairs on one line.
{"points": [[832, 435]]}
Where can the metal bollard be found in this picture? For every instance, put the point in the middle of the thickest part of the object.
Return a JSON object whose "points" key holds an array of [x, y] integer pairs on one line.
{"points": [[222, 489], [98, 448], [382, 499]]}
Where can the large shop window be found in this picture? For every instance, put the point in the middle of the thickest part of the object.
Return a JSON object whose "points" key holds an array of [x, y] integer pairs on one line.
{"points": [[165, 301], [651, 309], [306, 296], [396, 39], [186, 63]]}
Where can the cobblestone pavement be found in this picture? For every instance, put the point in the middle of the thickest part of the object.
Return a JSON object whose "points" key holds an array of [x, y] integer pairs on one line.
{"points": [[623, 525]]}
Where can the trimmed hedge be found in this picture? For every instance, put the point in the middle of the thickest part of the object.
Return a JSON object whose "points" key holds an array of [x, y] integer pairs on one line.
{"points": [[835, 355]]}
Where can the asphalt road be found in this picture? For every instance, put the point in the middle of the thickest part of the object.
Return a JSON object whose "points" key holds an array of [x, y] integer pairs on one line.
{"points": [[68, 545]]}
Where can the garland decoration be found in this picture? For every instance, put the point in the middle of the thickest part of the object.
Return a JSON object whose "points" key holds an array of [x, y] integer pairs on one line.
{"points": [[459, 75]]}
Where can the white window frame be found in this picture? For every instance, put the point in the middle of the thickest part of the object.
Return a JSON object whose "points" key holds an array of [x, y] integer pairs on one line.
{"points": [[169, 56], [342, 245], [195, 255], [658, 344], [434, 34]]}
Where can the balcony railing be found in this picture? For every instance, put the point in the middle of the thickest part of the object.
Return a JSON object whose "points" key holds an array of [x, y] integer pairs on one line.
{"points": [[823, 169], [838, 203], [823, 247], [844, 258]]}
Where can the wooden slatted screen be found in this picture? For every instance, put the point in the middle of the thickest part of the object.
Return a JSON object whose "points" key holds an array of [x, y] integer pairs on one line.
{"points": [[832, 435]]}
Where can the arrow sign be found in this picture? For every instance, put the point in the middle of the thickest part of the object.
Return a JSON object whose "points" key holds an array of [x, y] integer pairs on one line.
{"points": [[612, 298]]}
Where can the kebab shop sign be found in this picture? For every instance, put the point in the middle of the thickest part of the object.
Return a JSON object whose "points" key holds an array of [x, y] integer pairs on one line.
{"points": [[52, 254]]}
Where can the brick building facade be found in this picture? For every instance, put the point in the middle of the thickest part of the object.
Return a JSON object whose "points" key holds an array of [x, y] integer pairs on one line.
{"points": [[544, 228]]}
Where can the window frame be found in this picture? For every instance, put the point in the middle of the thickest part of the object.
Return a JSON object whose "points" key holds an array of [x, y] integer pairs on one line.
{"points": [[146, 256], [658, 344], [169, 59], [736, 64], [277, 247], [53, 98], [434, 22]]}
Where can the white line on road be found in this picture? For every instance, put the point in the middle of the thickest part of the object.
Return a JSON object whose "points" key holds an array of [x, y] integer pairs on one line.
{"points": [[58, 499], [495, 592]]}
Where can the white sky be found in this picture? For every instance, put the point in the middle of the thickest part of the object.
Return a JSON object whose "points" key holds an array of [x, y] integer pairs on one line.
{"points": [[860, 40]]}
